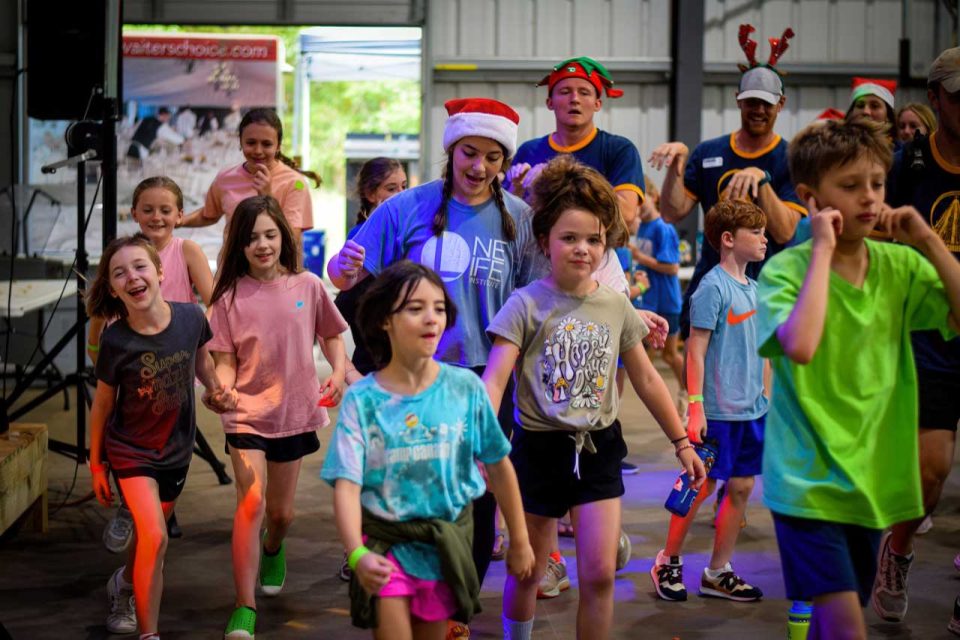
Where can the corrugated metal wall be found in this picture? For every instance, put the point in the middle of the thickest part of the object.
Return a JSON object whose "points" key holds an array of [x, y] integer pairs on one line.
{"points": [[503, 47], [305, 12]]}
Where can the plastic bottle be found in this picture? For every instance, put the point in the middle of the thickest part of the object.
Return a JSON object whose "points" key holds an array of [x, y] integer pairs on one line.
{"points": [[798, 620], [682, 496]]}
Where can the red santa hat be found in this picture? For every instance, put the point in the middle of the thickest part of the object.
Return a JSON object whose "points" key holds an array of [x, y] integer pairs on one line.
{"points": [[831, 113], [482, 117], [883, 89]]}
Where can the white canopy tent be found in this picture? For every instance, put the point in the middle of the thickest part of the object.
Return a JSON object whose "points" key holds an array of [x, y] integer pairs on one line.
{"points": [[354, 54]]}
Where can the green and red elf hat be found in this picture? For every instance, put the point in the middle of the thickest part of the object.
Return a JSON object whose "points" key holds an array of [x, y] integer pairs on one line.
{"points": [[586, 68]]}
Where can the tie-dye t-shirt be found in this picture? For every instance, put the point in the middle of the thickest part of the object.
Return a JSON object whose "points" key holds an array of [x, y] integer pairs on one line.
{"points": [[415, 456]]}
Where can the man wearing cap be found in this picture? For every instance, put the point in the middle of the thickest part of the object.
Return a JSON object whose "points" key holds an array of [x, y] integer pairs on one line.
{"points": [[926, 175], [749, 163], [574, 94]]}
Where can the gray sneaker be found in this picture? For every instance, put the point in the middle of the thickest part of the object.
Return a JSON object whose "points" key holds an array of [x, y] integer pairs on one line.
{"points": [[117, 533], [123, 616], [554, 580], [624, 549], [889, 596]]}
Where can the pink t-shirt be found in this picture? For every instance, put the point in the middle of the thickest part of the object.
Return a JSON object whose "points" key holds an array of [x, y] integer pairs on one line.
{"points": [[271, 327], [176, 285], [289, 187]]}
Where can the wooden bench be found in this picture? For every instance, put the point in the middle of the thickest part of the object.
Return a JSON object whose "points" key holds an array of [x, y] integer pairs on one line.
{"points": [[23, 475]]}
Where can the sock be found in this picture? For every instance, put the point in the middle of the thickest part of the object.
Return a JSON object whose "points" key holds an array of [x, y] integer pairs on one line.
{"points": [[122, 584], [514, 630], [149, 636], [556, 556], [713, 574], [662, 558]]}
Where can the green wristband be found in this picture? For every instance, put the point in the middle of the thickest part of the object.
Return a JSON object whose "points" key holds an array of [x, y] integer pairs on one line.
{"points": [[355, 556], [696, 397], [93, 348]]}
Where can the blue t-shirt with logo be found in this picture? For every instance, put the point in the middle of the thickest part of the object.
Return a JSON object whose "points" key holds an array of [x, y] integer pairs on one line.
{"points": [[615, 157], [709, 169], [415, 456], [659, 240], [479, 267], [923, 178], [732, 368]]}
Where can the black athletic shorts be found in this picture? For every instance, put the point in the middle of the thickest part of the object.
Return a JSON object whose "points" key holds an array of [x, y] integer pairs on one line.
{"points": [[285, 449], [939, 400], [170, 482]]}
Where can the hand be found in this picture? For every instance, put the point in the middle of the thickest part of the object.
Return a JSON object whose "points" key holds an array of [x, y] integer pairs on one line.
{"points": [[331, 391], [642, 279], [532, 175], [743, 185], [904, 224], [658, 327], [261, 180], [350, 259], [520, 560], [696, 425], [220, 400], [693, 465], [515, 177], [373, 572], [669, 154], [101, 486], [826, 225]]}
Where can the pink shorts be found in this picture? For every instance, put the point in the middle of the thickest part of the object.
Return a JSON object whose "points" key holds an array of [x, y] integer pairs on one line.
{"points": [[430, 600]]}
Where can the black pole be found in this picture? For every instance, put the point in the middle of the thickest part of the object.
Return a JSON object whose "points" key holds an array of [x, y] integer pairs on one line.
{"points": [[81, 273]]}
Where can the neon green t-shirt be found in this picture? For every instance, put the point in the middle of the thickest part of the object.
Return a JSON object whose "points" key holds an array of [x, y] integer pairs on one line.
{"points": [[841, 435]]}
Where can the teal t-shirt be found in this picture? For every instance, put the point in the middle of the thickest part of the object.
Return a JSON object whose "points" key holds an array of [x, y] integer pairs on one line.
{"points": [[841, 434], [415, 456]]}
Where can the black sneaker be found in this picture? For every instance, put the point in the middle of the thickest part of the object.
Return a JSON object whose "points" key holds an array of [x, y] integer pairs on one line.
{"points": [[728, 585], [628, 468], [668, 578]]}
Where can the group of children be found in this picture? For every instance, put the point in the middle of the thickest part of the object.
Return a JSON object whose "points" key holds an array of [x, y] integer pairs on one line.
{"points": [[418, 441]]}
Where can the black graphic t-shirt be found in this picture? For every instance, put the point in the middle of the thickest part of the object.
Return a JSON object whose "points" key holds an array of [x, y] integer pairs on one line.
{"points": [[154, 422]]}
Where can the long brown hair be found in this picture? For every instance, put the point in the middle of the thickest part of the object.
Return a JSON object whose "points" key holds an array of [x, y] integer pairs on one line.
{"points": [[270, 118], [507, 224], [371, 175], [235, 264], [99, 299]]}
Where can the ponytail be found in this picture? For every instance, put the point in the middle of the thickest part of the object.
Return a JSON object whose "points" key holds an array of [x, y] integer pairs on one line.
{"points": [[507, 224], [440, 217]]}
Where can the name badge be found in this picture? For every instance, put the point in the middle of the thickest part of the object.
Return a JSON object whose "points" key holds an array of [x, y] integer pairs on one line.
{"points": [[712, 163]]}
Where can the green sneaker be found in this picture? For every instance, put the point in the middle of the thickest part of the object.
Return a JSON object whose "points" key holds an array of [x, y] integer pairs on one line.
{"points": [[242, 623], [273, 571]]}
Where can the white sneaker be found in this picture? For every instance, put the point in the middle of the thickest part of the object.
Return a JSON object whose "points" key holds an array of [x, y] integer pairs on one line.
{"points": [[123, 616], [925, 526], [119, 531], [889, 596], [554, 581]]}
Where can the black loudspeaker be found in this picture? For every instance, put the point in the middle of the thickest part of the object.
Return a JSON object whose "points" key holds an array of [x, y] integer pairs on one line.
{"points": [[65, 59]]}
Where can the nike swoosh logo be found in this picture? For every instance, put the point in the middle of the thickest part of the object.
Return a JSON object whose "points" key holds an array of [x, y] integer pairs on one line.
{"points": [[734, 318], [180, 481]]}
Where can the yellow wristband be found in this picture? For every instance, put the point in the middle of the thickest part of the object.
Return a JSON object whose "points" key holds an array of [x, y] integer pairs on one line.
{"points": [[355, 556], [93, 347], [695, 397]]}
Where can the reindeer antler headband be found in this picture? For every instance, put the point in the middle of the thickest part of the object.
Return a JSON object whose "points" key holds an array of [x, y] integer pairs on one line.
{"points": [[777, 47]]}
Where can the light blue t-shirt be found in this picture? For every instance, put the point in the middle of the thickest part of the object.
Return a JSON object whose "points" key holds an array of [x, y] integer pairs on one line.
{"points": [[732, 369], [659, 240], [415, 456], [478, 265]]}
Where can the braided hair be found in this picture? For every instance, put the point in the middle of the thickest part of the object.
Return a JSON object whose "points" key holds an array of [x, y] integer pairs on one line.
{"points": [[507, 225]]}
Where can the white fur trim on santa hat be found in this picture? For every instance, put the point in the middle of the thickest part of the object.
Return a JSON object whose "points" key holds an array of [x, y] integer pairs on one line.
{"points": [[872, 89], [485, 125]]}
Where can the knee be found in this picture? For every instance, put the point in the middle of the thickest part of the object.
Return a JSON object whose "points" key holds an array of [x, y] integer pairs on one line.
{"points": [[252, 504], [280, 517], [153, 540], [739, 489], [598, 579]]}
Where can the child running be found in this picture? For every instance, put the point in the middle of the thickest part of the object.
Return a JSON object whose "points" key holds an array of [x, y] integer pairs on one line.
{"points": [[267, 314], [727, 404], [563, 334], [403, 462], [157, 208], [143, 422], [835, 317]]}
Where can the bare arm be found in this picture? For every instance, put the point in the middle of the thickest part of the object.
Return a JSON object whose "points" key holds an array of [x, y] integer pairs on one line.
{"points": [[649, 262], [629, 204], [373, 570], [93, 337], [781, 219], [331, 389], [653, 391], [199, 270], [197, 219], [104, 402], [801, 333], [696, 348], [226, 368], [503, 357], [345, 268], [206, 370], [502, 479], [675, 204]]}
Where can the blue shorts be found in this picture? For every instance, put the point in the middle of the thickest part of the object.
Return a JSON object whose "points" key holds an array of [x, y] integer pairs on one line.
{"points": [[820, 557], [739, 447], [673, 320]]}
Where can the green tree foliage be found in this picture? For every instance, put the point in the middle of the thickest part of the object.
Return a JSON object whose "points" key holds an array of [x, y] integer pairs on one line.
{"points": [[336, 108]]}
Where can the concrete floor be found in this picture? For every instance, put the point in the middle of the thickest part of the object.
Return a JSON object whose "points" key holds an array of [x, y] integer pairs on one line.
{"points": [[52, 586]]}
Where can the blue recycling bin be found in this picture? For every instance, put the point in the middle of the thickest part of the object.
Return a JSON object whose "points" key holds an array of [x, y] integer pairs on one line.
{"points": [[314, 252]]}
